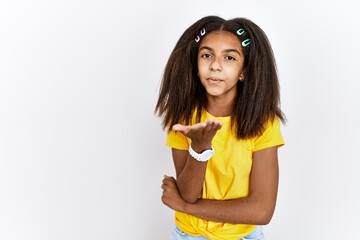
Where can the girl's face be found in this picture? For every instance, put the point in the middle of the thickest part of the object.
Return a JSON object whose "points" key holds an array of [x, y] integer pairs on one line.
{"points": [[220, 64]]}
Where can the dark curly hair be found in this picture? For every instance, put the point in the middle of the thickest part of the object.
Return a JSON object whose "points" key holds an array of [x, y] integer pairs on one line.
{"points": [[258, 97]]}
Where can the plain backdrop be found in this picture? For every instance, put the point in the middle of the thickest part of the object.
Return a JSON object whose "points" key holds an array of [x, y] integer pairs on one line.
{"points": [[82, 154]]}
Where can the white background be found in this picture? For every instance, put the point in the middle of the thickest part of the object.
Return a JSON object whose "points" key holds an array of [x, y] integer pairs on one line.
{"points": [[82, 155]]}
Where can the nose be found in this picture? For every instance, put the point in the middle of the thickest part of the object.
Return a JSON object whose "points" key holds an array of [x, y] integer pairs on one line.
{"points": [[215, 65]]}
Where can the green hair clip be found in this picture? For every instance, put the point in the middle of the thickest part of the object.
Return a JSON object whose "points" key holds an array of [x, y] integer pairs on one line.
{"points": [[245, 42]]}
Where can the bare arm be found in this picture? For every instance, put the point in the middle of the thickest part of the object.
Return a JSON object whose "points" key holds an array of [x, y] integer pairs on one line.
{"points": [[190, 173], [257, 208]]}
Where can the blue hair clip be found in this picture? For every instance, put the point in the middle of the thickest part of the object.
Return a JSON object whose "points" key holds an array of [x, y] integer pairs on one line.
{"points": [[245, 42], [240, 31]]}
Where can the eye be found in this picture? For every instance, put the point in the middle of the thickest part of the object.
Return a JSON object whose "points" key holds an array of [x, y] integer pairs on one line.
{"points": [[231, 58], [206, 55]]}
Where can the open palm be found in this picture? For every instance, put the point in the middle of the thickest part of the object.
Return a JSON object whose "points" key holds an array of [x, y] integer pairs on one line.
{"points": [[201, 134]]}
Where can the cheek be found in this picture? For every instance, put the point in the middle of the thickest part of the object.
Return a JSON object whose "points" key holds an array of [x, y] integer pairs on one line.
{"points": [[201, 70], [236, 71], [201, 75]]}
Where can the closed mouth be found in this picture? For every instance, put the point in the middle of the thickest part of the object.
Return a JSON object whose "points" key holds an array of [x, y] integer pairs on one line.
{"points": [[214, 80]]}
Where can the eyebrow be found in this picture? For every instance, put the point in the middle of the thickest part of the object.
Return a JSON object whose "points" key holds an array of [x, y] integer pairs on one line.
{"points": [[226, 50]]}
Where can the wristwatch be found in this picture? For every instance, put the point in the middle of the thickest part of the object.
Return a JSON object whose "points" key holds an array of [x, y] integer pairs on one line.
{"points": [[202, 157]]}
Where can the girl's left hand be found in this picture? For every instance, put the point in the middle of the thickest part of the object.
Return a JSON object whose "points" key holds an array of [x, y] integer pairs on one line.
{"points": [[171, 196]]}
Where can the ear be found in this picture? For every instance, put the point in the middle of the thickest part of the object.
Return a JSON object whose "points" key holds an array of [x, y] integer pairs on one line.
{"points": [[242, 77], [243, 74]]}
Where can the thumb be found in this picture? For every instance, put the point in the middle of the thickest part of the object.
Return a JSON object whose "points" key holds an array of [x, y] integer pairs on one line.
{"points": [[169, 177], [180, 128]]}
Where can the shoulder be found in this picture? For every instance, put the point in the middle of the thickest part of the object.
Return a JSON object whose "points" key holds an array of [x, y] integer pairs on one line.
{"points": [[271, 136], [177, 140]]}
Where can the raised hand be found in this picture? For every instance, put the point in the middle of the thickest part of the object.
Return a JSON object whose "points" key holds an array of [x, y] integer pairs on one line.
{"points": [[201, 134]]}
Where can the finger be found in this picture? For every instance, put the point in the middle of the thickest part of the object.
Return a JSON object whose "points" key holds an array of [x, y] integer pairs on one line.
{"points": [[219, 125], [172, 179], [169, 182], [164, 180], [214, 125], [216, 122], [164, 200], [179, 127], [198, 127], [210, 125]]}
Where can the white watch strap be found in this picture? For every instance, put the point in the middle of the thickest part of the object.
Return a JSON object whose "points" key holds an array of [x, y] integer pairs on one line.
{"points": [[201, 157]]}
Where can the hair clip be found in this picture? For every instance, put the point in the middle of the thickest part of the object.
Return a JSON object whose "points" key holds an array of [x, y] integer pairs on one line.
{"points": [[202, 33], [245, 42], [240, 31]]}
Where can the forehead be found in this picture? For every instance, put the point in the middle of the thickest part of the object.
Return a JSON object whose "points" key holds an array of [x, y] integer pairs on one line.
{"points": [[221, 39]]}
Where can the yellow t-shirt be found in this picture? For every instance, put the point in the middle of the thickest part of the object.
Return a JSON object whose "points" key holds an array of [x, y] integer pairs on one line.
{"points": [[227, 175]]}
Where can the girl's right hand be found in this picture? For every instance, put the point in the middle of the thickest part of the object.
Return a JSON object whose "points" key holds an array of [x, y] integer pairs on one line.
{"points": [[201, 134]]}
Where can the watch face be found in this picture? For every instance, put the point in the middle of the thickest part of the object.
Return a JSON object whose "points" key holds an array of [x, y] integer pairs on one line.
{"points": [[202, 157], [207, 154]]}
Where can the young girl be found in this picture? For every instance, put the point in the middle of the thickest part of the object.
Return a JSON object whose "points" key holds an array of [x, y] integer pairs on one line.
{"points": [[219, 100]]}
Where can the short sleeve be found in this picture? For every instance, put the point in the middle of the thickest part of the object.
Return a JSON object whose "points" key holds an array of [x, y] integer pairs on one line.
{"points": [[177, 140], [271, 136]]}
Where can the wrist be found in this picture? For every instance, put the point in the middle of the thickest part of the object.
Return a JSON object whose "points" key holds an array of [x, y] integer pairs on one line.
{"points": [[189, 208], [186, 207], [200, 147], [202, 156]]}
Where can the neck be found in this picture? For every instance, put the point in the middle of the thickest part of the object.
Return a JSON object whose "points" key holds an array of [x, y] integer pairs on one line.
{"points": [[219, 107]]}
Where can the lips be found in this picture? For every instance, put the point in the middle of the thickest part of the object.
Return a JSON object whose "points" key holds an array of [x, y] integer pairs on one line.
{"points": [[213, 80]]}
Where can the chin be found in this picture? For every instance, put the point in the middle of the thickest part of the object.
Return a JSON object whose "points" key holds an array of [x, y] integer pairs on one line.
{"points": [[214, 93]]}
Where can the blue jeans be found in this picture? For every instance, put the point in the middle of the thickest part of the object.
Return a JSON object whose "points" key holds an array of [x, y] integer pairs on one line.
{"points": [[256, 234]]}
